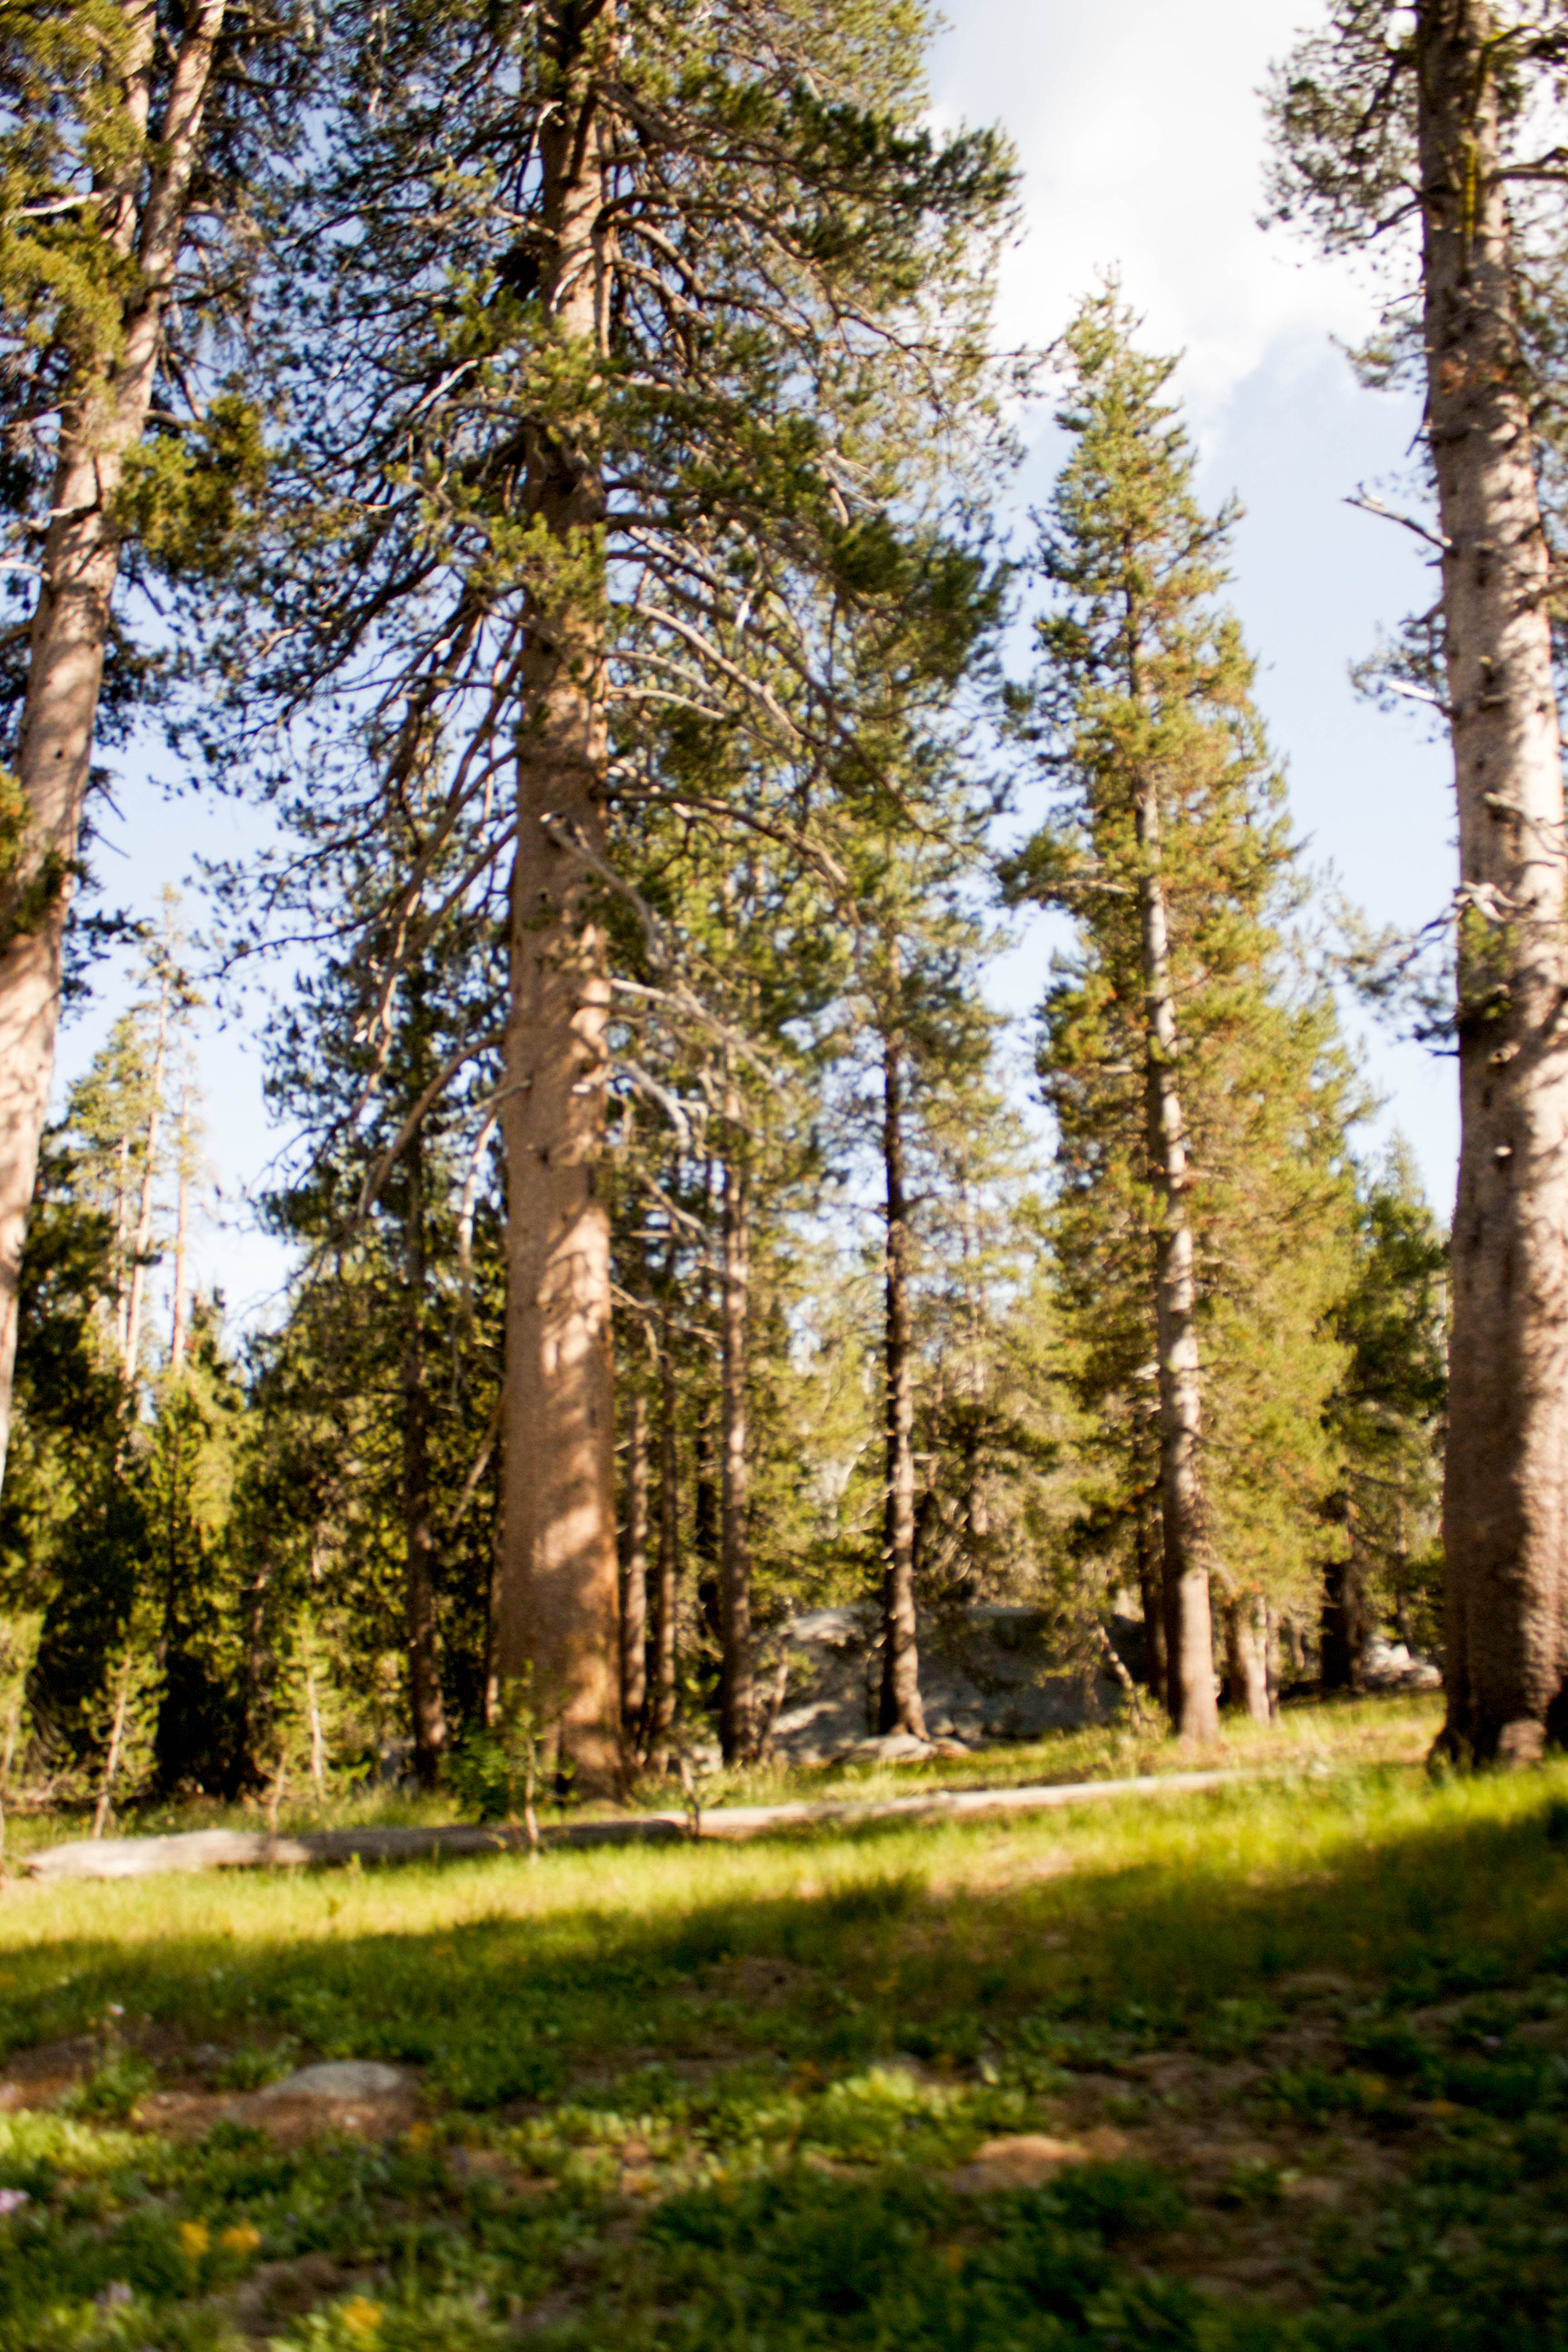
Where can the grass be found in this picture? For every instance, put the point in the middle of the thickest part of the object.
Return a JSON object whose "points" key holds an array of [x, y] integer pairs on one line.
{"points": [[1269, 2070]]}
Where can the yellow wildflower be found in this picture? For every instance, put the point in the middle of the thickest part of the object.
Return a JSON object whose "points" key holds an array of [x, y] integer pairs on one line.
{"points": [[241, 2239], [194, 2240], [361, 2318]]}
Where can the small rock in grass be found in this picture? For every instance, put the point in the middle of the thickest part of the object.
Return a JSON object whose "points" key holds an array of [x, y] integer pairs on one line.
{"points": [[343, 2078], [889, 1748]]}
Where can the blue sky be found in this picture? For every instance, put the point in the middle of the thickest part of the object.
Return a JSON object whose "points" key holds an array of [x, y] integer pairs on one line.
{"points": [[1139, 133]]}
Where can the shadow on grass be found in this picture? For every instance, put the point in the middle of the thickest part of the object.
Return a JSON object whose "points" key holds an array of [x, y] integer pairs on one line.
{"points": [[1450, 1892], [743, 2043]]}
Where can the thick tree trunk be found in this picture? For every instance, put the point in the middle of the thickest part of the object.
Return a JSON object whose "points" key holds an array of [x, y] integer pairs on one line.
{"points": [[901, 1708], [1189, 1635], [1247, 1655], [634, 1578], [1504, 1504], [737, 1726], [661, 1710], [427, 1713], [104, 416], [559, 1576]]}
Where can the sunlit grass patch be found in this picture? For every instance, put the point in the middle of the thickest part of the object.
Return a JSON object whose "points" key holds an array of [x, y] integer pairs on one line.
{"points": [[655, 2085]]}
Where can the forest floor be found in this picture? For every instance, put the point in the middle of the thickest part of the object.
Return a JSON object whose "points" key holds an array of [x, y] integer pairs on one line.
{"points": [[1283, 2065]]}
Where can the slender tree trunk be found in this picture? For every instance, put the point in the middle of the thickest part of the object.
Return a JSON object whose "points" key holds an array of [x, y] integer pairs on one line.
{"points": [[901, 1708], [736, 1724], [1151, 1596], [1271, 1639], [559, 1576], [661, 1715], [112, 1761], [318, 1742], [122, 1246], [427, 1711], [976, 1506], [634, 1582], [103, 418], [1247, 1657], [1188, 1630], [142, 1242], [179, 1324], [1504, 1506]]}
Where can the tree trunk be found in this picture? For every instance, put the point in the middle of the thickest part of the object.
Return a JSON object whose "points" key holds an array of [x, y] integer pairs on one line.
{"points": [[142, 1243], [559, 1576], [112, 1761], [661, 1713], [1189, 1635], [427, 1711], [736, 1726], [1339, 1628], [1504, 1504], [1247, 1655], [318, 1741], [179, 1323], [634, 1582], [901, 1708], [103, 418], [1152, 1597], [705, 1539]]}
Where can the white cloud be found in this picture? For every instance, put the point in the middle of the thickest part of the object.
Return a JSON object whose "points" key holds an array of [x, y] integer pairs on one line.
{"points": [[1138, 126]]}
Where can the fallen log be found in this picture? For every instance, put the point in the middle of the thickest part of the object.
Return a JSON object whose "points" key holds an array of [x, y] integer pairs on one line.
{"points": [[253, 1849]]}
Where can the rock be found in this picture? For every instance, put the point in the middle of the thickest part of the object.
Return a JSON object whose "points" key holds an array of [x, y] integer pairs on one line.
{"points": [[1390, 1665], [889, 1747], [987, 1672], [343, 2078]]}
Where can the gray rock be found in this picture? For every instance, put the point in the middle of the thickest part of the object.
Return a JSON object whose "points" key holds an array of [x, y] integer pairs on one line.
{"points": [[987, 1673], [890, 1747], [343, 2078]]}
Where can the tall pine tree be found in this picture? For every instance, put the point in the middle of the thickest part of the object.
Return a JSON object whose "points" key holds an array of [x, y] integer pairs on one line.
{"points": [[1202, 1185]]}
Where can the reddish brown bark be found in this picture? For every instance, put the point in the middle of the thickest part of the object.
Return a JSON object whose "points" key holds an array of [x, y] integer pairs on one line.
{"points": [[633, 1575], [558, 1600], [662, 1701], [738, 1710]]}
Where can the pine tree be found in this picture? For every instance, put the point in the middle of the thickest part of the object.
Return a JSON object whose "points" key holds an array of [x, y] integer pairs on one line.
{"points": [[1396, 119], [115, 117], [1202, 1189], [602, 435]]}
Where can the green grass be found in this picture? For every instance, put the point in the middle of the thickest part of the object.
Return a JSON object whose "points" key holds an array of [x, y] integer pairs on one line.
{"points": [[1307, 2039]]}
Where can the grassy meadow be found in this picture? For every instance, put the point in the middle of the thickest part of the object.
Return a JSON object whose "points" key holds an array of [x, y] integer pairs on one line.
{"points": [[1281, 2065]]}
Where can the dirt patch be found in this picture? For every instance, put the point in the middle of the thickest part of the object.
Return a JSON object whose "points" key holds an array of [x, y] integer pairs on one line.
{"points": [[190, 2114], [763, 1979]]}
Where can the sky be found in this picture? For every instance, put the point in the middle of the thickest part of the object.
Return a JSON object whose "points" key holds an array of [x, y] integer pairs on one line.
{"points": [[1139, 130]]}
